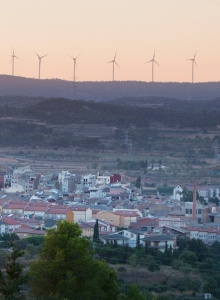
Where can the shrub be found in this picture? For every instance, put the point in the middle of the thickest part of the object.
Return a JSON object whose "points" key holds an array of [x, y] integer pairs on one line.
{"points": [[122, 269], [113, 260]]}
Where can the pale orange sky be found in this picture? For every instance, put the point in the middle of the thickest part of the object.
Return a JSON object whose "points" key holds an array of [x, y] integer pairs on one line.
{"points": [[97, 28]]}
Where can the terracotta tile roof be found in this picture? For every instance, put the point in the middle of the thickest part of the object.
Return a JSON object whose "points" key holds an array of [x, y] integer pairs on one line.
{"points": [[79, 208], [30, 231], [14, 206], [36, 208], [56, 211], [10, 221]]}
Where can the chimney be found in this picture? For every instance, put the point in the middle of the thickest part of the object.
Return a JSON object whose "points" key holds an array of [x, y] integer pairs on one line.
{"points": [[194, 201]]}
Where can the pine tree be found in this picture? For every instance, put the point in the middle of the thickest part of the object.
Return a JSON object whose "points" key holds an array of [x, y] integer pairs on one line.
{"points": [[67, 268], [138, 182], [96, 232], [12, 279]]}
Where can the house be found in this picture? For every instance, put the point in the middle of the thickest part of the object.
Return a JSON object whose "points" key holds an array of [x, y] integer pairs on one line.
{"points": [[173, 230], [109, 217], [66, 181], [81, 214], [159, 242], [88, 180], [177, 193], [144, 224], [28, 232], [134, 237], [10, 224], [114, 239], [207, 235], [115, 178], [127, 217], [189, 210], [120, 218], [37, 209], [169, 221], [87, 229], [57, 213], [102, 179], [14, 207], [2, 227]]}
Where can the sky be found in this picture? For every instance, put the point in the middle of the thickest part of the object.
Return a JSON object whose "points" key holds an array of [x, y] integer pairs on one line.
{"points": [[96, 29]]}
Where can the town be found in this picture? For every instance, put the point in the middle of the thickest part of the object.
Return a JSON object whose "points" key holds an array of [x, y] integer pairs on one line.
{"points": [[31, 203]]}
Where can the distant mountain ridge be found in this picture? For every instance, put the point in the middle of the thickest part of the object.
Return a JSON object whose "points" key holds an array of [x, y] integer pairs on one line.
{"points": [[106, 90]]}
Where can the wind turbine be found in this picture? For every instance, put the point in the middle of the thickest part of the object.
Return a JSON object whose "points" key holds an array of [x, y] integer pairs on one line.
{"points": [[152, 62], [40, 57], [13, 60], [193, 60], [113, 66], [74, 66]]}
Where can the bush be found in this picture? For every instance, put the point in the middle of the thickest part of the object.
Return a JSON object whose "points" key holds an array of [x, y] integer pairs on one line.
{"points": [[133, 260], [113, 260], [122, 269], [142, 262]]}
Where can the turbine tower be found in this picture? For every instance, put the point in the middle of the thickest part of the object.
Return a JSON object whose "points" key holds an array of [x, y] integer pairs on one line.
{"points": [[193, 60], [13, 60], [152, 61], [74, 66], [40, 57], [113, 66]]}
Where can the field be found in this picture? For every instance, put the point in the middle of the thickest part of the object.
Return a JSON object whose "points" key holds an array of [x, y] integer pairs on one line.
{"points": [[176, 140]]}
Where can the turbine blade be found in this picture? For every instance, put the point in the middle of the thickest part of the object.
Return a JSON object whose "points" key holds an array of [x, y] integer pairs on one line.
{"points": [[156, 63], [115, 55], [116, 64], [44, 55], [154, 54], [195, 54], [196, 64], [37, 54]]}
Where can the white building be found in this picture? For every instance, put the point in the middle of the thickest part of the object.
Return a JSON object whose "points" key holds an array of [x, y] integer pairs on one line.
{"points": [[88, 180], [177, 193], [67, 182], [168, 221], [132, 236]]}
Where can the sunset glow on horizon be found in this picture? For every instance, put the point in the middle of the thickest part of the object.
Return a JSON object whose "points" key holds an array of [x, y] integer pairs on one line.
{"points": [[96, 29]]}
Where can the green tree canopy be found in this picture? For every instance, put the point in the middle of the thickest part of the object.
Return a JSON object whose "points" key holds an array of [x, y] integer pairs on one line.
{"points": [[188, 196], [12, 277], [96, 232], [138, 182], [67, 269]]}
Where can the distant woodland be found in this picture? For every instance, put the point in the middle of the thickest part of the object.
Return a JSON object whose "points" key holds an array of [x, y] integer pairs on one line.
{"points": [[47, 122]]}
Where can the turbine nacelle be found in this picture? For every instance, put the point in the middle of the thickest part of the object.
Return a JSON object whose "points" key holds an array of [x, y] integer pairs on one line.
{"points": [[193, 60], [39, 58], [114, 62], [152, 61]]}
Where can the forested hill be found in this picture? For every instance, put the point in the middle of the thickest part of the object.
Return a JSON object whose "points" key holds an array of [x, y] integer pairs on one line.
{"points": [[104, 91], [168, 112]]}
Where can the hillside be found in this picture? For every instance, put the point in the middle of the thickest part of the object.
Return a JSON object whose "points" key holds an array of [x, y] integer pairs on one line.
{"points": [[105, 91]]}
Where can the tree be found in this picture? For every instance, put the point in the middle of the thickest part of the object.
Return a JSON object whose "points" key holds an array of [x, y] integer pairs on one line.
{"points": [[138, 182], [96, 232], [188, 196], [12, 279], [134, 293], [133, 260], [70, 269]]}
